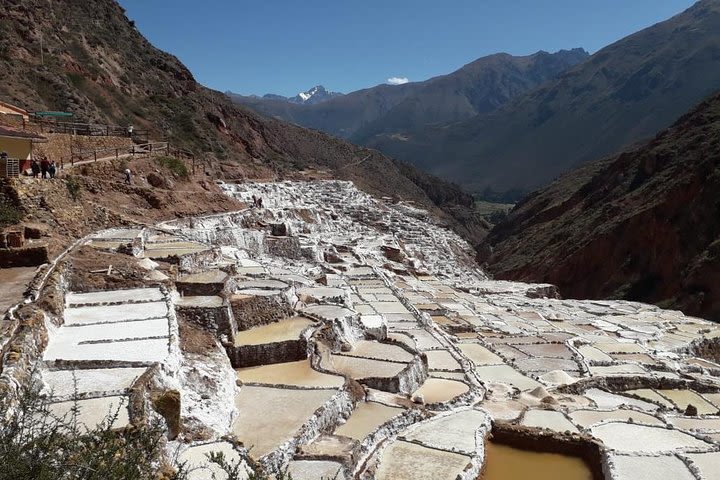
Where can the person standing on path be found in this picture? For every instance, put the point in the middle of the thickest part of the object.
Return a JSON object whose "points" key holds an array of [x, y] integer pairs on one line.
{"points": [[52, 169], [35, 168], [128, 176], [44, 166]]}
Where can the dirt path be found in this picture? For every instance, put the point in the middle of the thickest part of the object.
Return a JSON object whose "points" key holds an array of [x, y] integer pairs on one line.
{"points": [[13, 283]]}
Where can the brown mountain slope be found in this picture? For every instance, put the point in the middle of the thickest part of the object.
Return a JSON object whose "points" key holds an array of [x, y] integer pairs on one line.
{"points": [[88, 58], [642, 226]]}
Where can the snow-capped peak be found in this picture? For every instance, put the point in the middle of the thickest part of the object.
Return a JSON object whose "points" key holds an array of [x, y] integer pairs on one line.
{"points": [[317, 94]]}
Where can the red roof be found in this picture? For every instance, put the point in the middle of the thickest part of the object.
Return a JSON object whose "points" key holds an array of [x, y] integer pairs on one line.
{"points": [[8, 132]]}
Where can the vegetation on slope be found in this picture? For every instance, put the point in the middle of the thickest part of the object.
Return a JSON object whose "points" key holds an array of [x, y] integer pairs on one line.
{"points": [[37, 443]]}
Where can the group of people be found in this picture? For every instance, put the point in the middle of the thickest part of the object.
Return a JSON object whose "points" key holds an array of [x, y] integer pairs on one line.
{"points": [[257, 202], [45, 168]]}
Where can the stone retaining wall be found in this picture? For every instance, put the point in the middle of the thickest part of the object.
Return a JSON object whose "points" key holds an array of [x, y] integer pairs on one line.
{"points": [[253, 311], [215, 319], [267, 353], [552, 442], [24, 257]]}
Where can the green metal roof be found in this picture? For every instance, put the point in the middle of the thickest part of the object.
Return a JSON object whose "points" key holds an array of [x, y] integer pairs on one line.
{"points": [[53, 114]]}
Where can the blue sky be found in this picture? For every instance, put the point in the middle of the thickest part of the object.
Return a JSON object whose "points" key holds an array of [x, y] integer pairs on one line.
{"points": [[285, 46]]}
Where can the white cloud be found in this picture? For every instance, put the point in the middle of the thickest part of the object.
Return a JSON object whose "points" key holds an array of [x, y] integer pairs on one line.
{"points": [[397, 80]]}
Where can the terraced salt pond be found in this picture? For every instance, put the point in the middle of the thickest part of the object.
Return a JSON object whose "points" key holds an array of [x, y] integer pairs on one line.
{"points": [[284, 330], [587, 418], [366, 417], [267, 417], [409, 461], [297, 374], [683, 398], [629, 438], [438, 390], [503, 462], [414, 351]]}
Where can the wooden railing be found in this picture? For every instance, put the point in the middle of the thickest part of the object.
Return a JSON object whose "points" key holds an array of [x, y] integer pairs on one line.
{"points": [[142, 150], [44, 125]]}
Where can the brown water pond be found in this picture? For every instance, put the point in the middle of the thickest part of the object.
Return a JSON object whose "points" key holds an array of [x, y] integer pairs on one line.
{"points": [[508, 463]]}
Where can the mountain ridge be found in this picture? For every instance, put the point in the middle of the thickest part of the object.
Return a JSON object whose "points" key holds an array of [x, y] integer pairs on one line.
{"points": [[622, 94], [481, 85], [312, 96]]}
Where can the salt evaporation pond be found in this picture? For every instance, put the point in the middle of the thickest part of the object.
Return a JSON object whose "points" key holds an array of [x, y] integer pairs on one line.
{"points": [[508, 463], [438, 390]]}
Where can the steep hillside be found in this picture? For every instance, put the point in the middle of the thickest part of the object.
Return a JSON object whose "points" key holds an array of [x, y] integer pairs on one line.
{"points": [[642, 226], [88, 58], [624, 93], [479, 87]]}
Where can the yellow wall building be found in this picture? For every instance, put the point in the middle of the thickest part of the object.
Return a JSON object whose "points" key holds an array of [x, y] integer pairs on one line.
{"points": [[19, 144]]}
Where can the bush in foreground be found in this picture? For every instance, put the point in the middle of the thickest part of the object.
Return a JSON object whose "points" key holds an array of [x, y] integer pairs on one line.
{"points": [[38, 444]]}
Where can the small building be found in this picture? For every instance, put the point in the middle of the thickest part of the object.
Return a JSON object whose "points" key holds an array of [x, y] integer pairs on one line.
{"points": [[7, 109], [19, 145]]}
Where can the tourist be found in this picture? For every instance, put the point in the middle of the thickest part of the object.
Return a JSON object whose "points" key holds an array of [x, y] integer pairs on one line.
{"points": [[35, 168], [52, 169], [259, 202], [130, 130], [128, 176], [44, 166], [254, 204]]}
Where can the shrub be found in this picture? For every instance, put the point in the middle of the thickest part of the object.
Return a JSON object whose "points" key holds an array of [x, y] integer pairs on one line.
{"points": [[74, 188], [9, 214], [175, 165], [36, 443]]}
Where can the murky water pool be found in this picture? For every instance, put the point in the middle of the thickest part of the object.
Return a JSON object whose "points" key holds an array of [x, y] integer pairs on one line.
{"points": [[284, 330], [299, 374], [508, 463]]}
